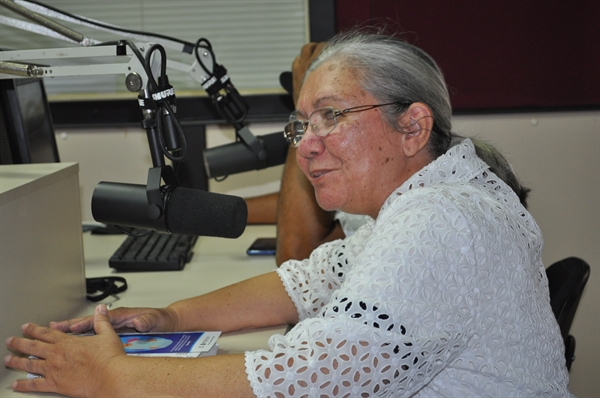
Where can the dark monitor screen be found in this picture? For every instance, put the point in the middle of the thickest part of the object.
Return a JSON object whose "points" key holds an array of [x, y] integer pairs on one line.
{"points": [[26, 130]]}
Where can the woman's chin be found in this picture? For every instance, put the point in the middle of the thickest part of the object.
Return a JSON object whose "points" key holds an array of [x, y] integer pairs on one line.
{"points": [[328, 203]]}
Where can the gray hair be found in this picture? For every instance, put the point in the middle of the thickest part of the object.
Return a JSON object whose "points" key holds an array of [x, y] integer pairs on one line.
{"points": [[393, 70], [500, 166]]}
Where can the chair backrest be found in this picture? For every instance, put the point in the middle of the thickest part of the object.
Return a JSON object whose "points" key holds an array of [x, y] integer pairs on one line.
{"points": [[566, 280]]}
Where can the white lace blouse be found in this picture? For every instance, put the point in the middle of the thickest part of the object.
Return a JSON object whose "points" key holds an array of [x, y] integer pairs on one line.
{"points": [[443, 295]]}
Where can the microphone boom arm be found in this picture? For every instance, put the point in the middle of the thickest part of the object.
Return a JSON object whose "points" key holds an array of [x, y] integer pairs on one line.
{"points": [[137, 63], [204, 69], [121, 58]]}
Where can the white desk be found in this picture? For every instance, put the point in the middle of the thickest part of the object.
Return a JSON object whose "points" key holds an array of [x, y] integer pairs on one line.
{"points": [[216, 263]]}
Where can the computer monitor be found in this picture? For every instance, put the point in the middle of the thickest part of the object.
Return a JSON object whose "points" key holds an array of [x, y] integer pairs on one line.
{"points": [[26, 130]]}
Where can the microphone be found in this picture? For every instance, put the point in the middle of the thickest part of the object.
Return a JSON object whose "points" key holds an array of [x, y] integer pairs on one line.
{"points": [[184, 211], [239, 157]]}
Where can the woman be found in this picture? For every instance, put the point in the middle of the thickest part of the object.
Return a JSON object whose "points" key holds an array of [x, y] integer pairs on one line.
{"points": [[443, 293]]}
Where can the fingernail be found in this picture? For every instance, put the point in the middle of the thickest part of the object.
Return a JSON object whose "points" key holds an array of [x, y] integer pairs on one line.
{"points": [[6, 359], [101, 309], [9, 340]]}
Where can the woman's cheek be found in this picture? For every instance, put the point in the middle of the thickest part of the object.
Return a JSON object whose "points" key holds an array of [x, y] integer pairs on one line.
{"points": [[302, 163]]}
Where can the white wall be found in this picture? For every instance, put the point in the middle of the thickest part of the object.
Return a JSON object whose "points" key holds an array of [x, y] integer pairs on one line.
{"points": [[556, 154]]}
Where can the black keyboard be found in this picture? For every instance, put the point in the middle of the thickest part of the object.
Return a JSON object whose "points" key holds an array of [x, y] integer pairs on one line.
{"points": [[153, 252]]}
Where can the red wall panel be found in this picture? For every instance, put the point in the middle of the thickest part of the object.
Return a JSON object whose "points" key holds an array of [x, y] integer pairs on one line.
{"points": [[499, 54]]}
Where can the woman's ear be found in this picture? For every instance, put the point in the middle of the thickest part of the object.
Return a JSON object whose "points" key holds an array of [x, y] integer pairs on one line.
{"points": [[416, 123]]}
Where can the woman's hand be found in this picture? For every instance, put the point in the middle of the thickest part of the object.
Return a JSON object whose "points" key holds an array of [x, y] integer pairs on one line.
{"points": [[139, 319], [71, 365]]}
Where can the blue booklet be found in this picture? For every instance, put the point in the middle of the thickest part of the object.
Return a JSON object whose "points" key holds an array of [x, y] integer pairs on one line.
{"points": [[176, 344]]}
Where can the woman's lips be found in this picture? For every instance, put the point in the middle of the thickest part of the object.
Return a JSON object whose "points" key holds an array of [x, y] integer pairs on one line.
{"points": [[318, 173]]}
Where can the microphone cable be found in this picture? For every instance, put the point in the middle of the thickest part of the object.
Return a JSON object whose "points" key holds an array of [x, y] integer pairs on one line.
{"points": [[164, 102], [229, 103], [154, 88]]}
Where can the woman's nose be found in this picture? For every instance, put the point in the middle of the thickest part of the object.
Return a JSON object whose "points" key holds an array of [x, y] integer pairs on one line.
{"points": [[310, 145]]}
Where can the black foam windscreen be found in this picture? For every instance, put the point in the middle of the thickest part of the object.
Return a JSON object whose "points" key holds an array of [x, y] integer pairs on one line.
{"points": [[276, 147], [286, 80], [185, 211], [196, 212], [237, 157]]}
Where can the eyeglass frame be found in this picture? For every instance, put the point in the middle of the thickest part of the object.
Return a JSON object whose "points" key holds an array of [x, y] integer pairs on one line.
{"points": [[293, 123]]}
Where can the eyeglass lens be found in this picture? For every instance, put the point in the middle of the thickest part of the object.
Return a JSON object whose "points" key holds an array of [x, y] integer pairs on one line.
{"points": [[293, 131], [321, 121]]}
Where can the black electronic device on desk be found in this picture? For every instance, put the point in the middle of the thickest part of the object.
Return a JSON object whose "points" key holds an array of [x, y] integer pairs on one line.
{"points": [[263, 247], [153, 251]]}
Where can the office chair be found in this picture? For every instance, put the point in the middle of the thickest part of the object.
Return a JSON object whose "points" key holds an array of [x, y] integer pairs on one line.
{"points": [[566, 281]]}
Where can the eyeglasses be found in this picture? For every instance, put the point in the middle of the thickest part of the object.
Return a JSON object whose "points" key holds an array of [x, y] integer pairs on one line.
{"points": [[322, 121]]}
